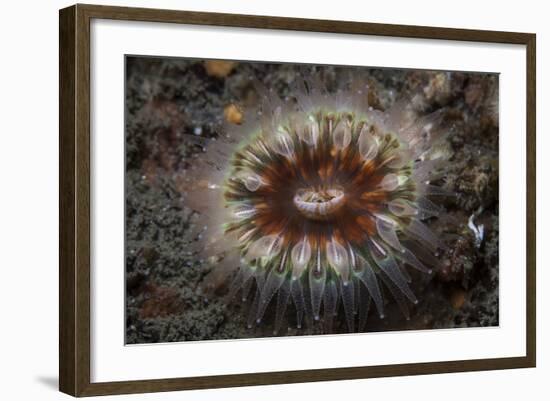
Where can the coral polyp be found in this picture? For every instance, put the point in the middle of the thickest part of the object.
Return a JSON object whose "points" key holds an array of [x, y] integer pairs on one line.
{"points": [[320, 200]]}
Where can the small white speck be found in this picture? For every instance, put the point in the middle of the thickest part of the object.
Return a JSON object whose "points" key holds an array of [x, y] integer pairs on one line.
{"points": [[477, 230]]}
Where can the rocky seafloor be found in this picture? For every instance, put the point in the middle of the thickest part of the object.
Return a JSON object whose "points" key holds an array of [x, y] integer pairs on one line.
{"points": [[167, 100]]}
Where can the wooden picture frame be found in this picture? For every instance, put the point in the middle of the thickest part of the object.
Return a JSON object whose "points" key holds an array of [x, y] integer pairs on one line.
{"points": [[74, 204]]}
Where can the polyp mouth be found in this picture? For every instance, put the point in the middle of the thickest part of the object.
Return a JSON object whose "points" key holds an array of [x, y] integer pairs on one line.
{"points": [[319, 204]]}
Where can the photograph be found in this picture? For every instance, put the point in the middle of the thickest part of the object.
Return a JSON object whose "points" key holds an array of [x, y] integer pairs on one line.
{"points": [[268, 199], [249, 200]]}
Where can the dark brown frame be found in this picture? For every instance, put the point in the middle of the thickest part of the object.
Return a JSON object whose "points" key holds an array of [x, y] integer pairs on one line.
{"points": [[74, 199]]}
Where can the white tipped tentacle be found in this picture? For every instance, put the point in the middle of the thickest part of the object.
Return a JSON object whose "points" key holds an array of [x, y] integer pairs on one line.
{"points": [[367, 275], [317, 281], [300, 256], [267, 246], [386, 229], [368, 144], [337, 257], [341, 135], [390, 182], [282, 144], [251, 181], [243, 211], [402, 208], [308, 130], [389, 266]]}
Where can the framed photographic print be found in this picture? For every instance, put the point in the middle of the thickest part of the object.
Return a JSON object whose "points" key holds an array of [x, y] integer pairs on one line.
{"points": [[251, 200]]}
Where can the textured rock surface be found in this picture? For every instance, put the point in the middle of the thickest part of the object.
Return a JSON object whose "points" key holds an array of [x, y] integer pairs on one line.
{"points": [[167, 99]]}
